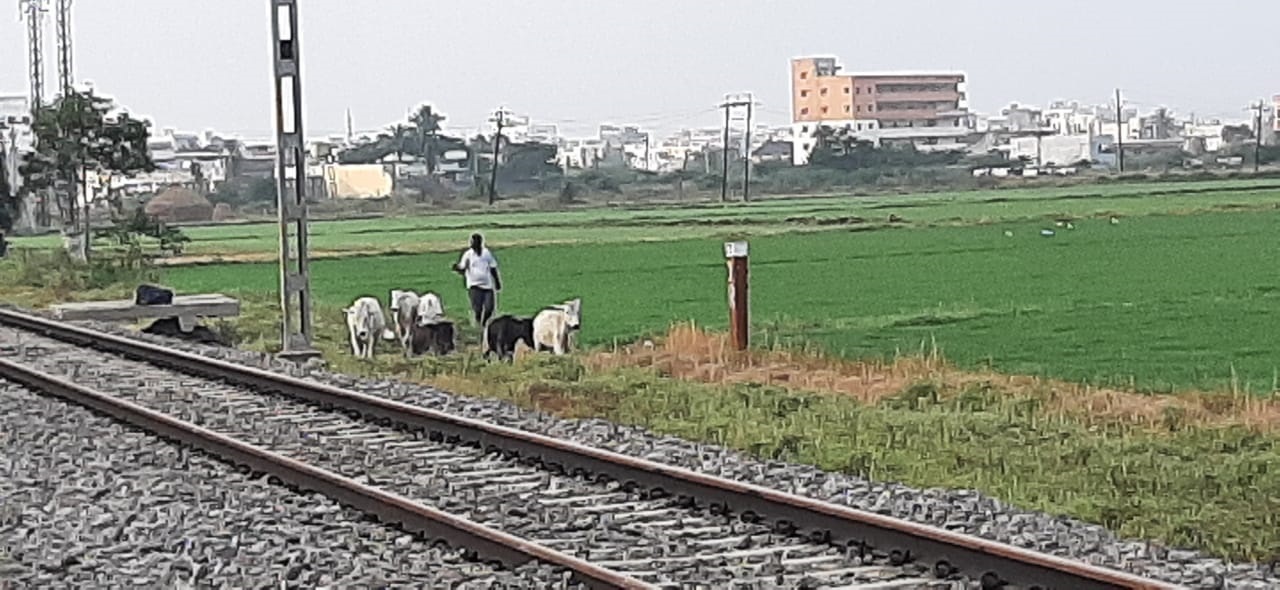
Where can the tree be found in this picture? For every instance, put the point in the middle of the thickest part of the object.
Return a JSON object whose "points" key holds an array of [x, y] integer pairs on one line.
{"points": [[426, 125], [399, 136], [9, 202], [77, 134]]}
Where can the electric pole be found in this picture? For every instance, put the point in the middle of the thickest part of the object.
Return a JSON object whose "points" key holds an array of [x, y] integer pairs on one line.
{"points": [[295, 277], [493, 170], [63, 17], [33, 12], [746, 149], [1257, 137], [1119, 132], [728, 104], [724, 156], [646, 152]]}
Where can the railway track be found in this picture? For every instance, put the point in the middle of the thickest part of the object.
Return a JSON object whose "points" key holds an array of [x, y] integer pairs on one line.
{"points": [[609, 520]]}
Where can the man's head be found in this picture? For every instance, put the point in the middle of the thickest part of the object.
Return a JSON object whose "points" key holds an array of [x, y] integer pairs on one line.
{"points": [[477, 242]]}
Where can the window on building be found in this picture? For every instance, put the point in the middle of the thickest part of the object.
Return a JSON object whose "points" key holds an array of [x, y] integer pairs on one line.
{"points": [[804, 75], [824, 110], [846, 108], [846, 90], [804, 111], [823, 92], [871, 107], [859, 108], [804, 129]]}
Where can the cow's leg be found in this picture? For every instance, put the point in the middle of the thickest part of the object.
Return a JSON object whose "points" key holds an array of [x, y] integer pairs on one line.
{"points": [[355, 345]]}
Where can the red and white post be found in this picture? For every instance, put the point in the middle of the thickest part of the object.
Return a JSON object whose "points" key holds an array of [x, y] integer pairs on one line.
{"points": [[739, 313]]}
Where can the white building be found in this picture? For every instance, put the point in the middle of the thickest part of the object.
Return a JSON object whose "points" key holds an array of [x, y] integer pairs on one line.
{"points": [[1051, 150]]}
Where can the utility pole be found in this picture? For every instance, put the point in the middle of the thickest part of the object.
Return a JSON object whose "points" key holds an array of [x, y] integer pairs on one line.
{"points": [[65, 76], [1257, 137], [493, 170], [646, 152], [746, 162], [33, 12], [730, 103], [295, 277], [1119, 132], [724, 156]]}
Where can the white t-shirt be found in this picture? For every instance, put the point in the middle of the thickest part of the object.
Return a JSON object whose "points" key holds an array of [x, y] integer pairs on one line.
{"points": [[477, 267]]}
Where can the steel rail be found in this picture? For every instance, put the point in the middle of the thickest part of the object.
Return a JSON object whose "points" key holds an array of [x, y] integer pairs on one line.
{"points": [[993, 563], [387, 506]]}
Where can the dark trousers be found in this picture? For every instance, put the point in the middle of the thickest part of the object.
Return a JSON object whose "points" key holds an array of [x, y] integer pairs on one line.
{"points": [[482, 301]]}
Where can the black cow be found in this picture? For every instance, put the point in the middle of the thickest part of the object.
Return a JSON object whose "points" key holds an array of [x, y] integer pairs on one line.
{"points": [[502, 334], [436, 337]]}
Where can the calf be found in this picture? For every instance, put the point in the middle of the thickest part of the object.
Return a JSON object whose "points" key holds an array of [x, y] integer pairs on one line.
{"points": [[502, 334], [366, 324], [404, 311], [430, 309], [553, 326], [436, 337]]}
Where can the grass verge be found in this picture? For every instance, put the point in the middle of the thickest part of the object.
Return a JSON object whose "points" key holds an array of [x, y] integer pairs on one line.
{"points": [[1192, 470], [1189, 470]]}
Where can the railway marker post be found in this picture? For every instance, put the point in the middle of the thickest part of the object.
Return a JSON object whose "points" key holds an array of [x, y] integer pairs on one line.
{"points": [[739, 312]]}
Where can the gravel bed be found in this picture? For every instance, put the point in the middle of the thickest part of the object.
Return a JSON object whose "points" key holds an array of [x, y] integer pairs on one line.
{"points": [[964, 511], [86, 502], [657, 539]]}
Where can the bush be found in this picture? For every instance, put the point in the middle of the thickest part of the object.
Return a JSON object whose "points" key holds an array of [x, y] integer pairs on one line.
{"points": [[57, 271]]}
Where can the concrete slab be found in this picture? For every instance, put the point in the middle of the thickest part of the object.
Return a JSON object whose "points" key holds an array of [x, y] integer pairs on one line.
{"points": [[184, 307]]}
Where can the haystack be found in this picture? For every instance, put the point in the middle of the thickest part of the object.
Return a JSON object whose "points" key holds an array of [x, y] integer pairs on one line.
{"points": [[177, 204]]}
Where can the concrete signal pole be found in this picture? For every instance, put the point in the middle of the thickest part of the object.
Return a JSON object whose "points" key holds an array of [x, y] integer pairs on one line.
{"points": [[295, 277]]}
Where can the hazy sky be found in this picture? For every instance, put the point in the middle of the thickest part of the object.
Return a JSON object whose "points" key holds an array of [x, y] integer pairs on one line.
{"points": [[196, 64]]}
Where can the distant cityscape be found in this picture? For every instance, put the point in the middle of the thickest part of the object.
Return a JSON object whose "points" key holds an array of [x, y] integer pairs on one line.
{"points": [[928, 111]]}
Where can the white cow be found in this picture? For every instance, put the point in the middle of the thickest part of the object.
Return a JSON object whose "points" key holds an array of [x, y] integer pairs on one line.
{"points": [[430, 309], [553, 326], [404, 313], [366, 324]]}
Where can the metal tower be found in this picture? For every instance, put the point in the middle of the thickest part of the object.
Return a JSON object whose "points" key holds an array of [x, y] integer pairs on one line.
{"points": [[63, 17], [33, 12], [295, 279]]}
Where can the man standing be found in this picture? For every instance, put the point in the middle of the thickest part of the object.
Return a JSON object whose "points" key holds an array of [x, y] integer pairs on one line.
{"points": [[481, 271]]}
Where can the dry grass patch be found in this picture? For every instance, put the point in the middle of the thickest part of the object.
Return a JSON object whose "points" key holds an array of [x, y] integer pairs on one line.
{"points": [[690, 353]]}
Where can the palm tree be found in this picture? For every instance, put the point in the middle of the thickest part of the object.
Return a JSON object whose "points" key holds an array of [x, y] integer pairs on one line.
{"points": [[426, 123], [399, 133]]}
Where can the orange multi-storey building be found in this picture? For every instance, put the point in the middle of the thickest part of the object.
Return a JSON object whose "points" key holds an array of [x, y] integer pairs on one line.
{"points": [[822, 95]]}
